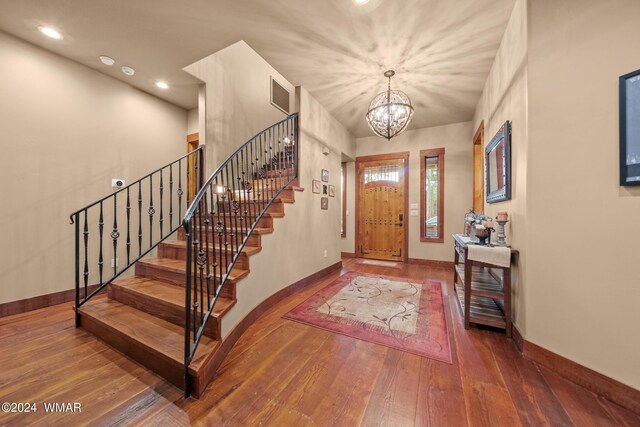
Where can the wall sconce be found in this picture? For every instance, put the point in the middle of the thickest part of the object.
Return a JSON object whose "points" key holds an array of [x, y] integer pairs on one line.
{"points": [[325, 150]]}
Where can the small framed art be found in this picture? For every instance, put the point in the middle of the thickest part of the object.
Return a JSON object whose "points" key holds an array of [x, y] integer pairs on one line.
{"points": [[324, 203], [325, 175], [315, 186], [332, 191]]}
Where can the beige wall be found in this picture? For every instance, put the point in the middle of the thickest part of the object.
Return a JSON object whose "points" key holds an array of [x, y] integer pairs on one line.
{"points": [[456, 140], [65, 131], [193, 123], [583, 259], [297, 247], [237, 98], [505, 98]]}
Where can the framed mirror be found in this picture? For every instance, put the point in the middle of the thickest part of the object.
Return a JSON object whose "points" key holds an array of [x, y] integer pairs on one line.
{"points": [[498, 164], [630, 129]]}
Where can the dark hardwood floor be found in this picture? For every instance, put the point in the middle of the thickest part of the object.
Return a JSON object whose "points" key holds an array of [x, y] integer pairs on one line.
{"points": [[283, 373]]}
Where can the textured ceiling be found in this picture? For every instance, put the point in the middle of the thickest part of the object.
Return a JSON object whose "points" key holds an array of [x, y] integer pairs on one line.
{"points": [[442, 50]]}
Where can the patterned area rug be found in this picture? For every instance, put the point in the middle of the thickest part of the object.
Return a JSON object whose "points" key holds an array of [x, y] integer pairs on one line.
{"points": [[400, 313]]}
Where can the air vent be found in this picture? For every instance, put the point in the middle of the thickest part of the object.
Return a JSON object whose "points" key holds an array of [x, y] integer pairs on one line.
{"points": [[279, 96]]}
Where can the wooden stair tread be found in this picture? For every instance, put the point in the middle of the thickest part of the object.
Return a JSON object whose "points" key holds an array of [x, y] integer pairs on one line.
{"points": [[248, 250], [232, 215], [166, 292], [178, 266], [153, 333], [257, 230]]}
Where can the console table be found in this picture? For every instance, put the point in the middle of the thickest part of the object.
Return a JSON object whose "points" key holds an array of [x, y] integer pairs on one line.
{"points": [[483, 290]]}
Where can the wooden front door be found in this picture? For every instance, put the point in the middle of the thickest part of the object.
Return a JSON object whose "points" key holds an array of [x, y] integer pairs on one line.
{"points": [[381, 201]]}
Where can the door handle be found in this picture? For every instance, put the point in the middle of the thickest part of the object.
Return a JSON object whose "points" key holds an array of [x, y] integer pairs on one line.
{"points": [[401, 217]]}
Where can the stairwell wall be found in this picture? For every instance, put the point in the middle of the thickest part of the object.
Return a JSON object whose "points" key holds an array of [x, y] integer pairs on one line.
{"points": [[300, 240], [237, 100], [65, 131]]}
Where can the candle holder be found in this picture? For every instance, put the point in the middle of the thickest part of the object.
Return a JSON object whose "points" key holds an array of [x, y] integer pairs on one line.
{"points": [[501, 234]]}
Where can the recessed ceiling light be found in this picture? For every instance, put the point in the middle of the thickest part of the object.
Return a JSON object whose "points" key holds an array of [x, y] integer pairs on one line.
{"points": [[361, 2], [128, 70], [50, 32], [162, 85], [107, 60]]}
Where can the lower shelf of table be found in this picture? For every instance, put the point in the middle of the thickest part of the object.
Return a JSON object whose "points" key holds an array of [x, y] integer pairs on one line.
{"points": [[483, 310]]}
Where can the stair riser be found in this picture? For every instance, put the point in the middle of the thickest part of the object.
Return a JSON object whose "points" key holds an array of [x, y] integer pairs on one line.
{"points": [[167, 251], [178, 279], [254, 239], [169, 312], [129, 346]]}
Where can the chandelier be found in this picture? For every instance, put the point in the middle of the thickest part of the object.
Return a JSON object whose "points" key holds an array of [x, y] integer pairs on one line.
{"points": [[390, 112]]}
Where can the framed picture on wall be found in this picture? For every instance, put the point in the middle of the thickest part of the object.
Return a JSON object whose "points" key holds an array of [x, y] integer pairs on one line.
{"points": [[630, 128], [324, 203], [332, 191], [315, 186], [325, 175], [325, 190]]}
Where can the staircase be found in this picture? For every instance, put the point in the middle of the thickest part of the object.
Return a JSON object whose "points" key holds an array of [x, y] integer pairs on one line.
{"points": [[168, 316]]}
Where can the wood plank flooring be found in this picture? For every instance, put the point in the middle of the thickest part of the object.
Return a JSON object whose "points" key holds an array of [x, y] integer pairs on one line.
{"points": [[283, 373]]}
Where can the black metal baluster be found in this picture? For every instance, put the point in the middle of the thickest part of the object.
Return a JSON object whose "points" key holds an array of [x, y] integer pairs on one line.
{"points": [[151, 210], [194, 305], [279, 154], [244, 189], [267, 172], [128, 228], [140, 218], [76, 264], [100, 228], [221, 229], [296, 147], [202, 260], [224, 219], [161, 207], [207, 251], [288, 148], [237, 199], [171, 196], [252, 174], [285, 174], [249, 184], [271, 166], [187, 304], [86, 253], [214, 209], [256, 179], [189, 195], [115, 234], [263, 173], [180, 192]]}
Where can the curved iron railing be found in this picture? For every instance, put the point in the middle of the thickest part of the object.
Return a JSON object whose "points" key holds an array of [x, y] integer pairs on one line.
{"points": [[224, 213], [158, 194]]}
